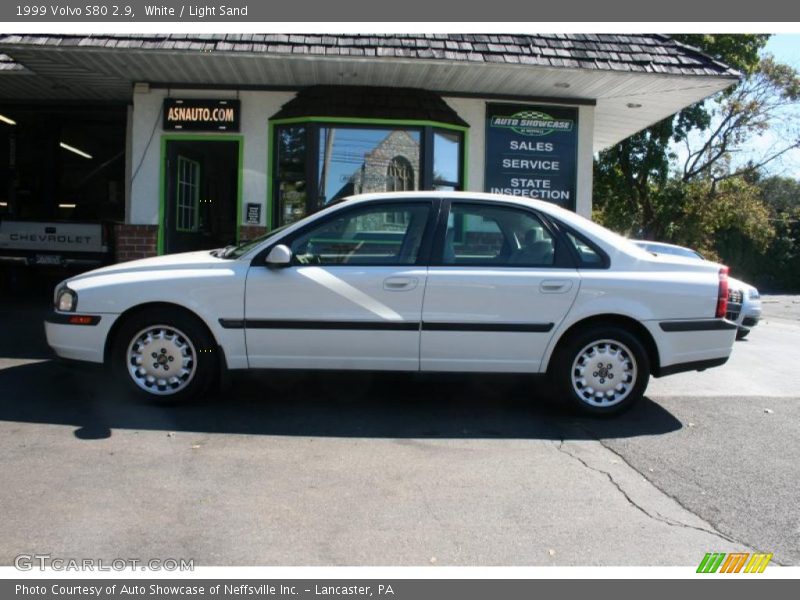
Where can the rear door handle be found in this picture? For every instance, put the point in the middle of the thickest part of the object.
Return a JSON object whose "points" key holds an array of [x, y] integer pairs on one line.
{"points": [[555, 286], [400, 284]]}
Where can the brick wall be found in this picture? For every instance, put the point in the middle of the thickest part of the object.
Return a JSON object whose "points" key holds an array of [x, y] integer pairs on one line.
{"points": [[135, 241]]}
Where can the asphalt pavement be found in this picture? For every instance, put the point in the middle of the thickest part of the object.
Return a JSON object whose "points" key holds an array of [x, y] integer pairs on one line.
{"points": [[376, 469]]}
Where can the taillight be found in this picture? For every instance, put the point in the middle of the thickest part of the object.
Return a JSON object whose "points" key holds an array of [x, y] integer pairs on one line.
{"points": [[722, 293]]}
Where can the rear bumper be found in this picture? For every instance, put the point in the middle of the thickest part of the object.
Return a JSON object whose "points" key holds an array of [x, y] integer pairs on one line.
{"points": [[691, 344], [78, 342], [699, 365]]}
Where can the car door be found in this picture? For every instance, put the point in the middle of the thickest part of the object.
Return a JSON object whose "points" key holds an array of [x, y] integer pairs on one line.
{"points": [[352, 296], [499, 284]]}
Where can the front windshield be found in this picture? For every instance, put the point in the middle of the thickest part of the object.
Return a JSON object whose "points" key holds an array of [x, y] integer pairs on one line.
{"points": [[245, 247]]}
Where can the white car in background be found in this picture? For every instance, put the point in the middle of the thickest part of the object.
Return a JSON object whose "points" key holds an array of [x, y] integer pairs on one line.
{"points": [[412, 281], [744, 301]]}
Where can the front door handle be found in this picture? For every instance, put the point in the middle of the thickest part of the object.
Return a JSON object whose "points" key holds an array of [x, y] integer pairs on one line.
{"points": [[400, 284], [555, 286]]}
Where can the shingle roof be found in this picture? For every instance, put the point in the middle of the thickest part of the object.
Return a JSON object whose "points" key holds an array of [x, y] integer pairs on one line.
{"points": [[645, 53], [9, 64]]}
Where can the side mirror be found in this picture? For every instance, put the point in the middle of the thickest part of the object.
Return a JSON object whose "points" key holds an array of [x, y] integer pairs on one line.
{"points": [[279, 256]]}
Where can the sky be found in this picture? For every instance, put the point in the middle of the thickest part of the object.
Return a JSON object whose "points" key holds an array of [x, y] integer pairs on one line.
{"points": [[786, 49]]}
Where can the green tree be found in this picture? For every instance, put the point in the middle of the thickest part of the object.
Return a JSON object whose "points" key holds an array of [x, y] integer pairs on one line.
{"points": [[631, 177], [776, 267], [714, 200]]}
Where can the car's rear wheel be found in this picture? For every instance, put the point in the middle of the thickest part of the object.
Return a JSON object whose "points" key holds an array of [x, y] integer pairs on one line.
{"points": [[742, 333], [165, 354], [601, 371]]}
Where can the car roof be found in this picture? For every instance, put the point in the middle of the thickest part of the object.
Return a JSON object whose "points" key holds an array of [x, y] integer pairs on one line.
{"points": [[609, 240]]}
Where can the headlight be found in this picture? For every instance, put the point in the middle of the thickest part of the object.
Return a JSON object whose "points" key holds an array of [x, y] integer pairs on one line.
{"points": [[66, 300], [753, 295]]}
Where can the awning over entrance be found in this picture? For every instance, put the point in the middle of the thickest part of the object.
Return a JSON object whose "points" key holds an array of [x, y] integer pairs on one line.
{"points": [[364, 102]]}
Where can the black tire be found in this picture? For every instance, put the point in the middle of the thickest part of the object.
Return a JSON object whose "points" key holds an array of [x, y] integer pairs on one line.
{"points": [[742, 333], [625, 348], [201, 351]]}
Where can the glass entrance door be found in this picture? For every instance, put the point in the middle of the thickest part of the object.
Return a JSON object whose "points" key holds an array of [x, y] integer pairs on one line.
{"points": [[202, 191]]}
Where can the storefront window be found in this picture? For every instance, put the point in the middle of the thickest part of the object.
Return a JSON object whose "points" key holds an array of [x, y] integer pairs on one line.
{"points": [[359, 159], [446, 160], [362, 160], [292, 190]]}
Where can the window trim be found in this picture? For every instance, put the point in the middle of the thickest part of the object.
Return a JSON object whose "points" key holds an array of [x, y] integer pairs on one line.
{"points": [[437, 252], [423, 255], [426, 129]]}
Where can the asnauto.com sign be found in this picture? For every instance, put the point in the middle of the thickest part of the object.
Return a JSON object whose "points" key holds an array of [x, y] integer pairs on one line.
{"points": [[201, 114], [29, 562], [735, 562]]}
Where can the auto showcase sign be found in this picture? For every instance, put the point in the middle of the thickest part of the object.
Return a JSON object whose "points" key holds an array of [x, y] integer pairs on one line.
{"points": [[531, 151], [201, 115]]}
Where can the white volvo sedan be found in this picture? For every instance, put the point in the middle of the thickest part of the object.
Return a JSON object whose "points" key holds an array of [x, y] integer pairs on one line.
{"points": [[418, 281]]}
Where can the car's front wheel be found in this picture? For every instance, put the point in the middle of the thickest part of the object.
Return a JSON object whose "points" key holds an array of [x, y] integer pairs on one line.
{"points": [[601, 371], [165, 354]]}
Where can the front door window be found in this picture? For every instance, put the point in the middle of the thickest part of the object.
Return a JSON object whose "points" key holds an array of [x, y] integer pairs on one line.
{"points": [[388, 234]]}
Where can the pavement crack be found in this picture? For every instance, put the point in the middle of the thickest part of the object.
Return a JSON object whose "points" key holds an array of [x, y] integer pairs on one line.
{"points": [[654, 516], [684, 507]]}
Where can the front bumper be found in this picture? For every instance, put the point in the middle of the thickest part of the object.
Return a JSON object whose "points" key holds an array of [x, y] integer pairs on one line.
{"points": [[751, 313], [85, 342], [750, 322]]}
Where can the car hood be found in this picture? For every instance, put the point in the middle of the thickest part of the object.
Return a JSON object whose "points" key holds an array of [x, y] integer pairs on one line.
{"points": [[739, 285], [202, 259]]}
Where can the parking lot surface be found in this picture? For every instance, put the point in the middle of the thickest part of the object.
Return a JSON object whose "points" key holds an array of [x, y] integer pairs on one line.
{"points": [[376, 469]]}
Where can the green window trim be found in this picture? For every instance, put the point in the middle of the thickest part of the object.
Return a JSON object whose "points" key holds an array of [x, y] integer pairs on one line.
{"points": [[374, 122], [162, 197]]}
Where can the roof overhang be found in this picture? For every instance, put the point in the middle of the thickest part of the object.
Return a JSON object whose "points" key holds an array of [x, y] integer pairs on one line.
{"points": [[626, 102]]}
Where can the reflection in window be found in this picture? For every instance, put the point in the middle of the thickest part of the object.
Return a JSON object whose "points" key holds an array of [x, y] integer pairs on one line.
{"points": [[446, 160], [399, 175], [359, 160], [291, 175], [319, 163]]}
